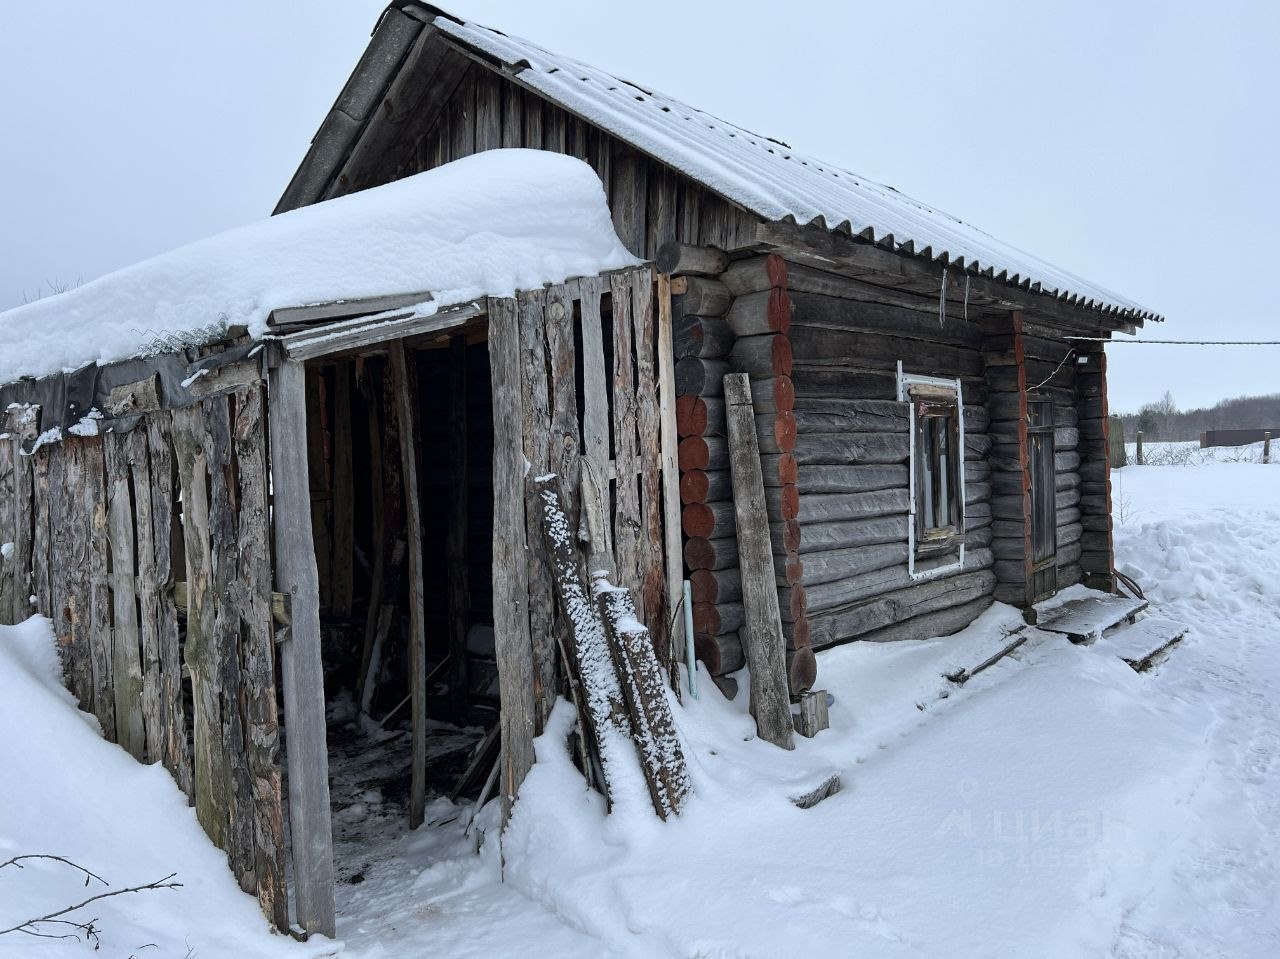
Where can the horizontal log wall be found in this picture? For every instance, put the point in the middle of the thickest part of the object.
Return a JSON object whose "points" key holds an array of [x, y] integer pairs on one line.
{"points": [[846, 524], [1096, 551], [482, 110], [93, 522]]}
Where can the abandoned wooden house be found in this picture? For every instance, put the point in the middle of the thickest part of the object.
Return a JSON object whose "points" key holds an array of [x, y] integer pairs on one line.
{"points": [[352, 488]]}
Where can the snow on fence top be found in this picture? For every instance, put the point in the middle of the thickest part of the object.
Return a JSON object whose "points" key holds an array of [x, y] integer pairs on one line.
{"points": [[487, 225], [767, 177]]}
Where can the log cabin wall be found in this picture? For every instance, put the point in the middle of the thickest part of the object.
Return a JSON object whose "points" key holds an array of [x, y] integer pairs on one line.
{"points": [[147, 548], [1095, 468], [822, 350], [1023, 364], [464, 107], [853, 452]]}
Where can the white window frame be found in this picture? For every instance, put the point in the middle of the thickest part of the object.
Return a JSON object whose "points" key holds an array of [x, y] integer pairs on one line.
{"points": [[905, 382]]}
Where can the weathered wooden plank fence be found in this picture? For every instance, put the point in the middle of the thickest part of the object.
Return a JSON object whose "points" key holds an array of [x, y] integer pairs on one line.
{"points": [[91, 523]]}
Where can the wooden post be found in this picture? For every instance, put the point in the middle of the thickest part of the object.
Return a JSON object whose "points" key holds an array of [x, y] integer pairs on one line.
{"points": [[302, 668], [1266, 447], [1141, 462], [456, 532], [210, 779], [513, 644], [403, 387], [670, 474], [126, 665], [343, 497], [813, 717], [762, 637]]}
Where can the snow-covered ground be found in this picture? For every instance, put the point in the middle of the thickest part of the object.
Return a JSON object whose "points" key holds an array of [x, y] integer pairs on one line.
{"points": [[1059, 804]]}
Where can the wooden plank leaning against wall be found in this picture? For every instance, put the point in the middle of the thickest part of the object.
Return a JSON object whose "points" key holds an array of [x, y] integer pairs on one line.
{"points": [[536, 370]]}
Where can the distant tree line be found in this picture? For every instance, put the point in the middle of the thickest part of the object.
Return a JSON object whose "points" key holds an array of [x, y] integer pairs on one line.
{"points": [[1162, 420]]}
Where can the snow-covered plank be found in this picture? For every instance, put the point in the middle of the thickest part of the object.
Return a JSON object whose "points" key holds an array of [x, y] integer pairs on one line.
{"points": [[1084, 620], [653, 728], [594, 683], [1146, 642]]}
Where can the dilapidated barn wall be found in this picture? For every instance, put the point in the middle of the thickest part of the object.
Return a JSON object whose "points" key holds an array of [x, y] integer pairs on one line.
{"points": [[147, 548], [452, 106]]}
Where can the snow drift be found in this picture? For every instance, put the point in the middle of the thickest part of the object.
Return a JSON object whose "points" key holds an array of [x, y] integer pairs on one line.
{"points": [[489, 224]]}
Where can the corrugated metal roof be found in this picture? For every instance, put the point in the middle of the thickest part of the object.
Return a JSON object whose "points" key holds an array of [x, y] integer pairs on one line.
{"points": [[768, 178]]}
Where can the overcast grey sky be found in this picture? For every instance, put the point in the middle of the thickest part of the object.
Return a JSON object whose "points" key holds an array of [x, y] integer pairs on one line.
{"points": [[1132, 143]]}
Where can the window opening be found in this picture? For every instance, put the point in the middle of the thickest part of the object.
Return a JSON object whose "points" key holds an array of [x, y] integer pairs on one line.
{"points": [[936, 526]]}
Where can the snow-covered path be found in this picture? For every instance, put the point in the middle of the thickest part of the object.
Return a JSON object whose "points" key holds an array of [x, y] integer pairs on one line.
{"points": [[1207, 546]]}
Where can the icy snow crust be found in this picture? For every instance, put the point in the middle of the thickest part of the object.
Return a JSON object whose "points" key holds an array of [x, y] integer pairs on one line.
{"points": [[489, 224], [1057, 805]]}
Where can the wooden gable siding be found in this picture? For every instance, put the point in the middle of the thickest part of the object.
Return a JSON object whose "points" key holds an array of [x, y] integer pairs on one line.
{"points": [[651, 203]]}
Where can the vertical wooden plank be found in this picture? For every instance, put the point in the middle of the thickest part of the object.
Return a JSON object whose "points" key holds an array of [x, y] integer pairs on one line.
{"points": [[210, 782], [69, 544], [600, 148], [536, 430], [565, 429], [321, 490], [628, 200], [762, 634], [660, 213], [669, 445], [22, 528], [648, 430], [371, 388], [147, 590], [62, 546], [553, 128], [690, 212], [532, 109], [463, 124], [301, 664], [627, 519], [126, 653], [488, 111], [8, 533], [164, 519], [94, 592], [510, 569], [40, 535], [404, 387], [344, 528], [456, 552], [576, 138], [595, 416], [230, 756], [512, 115], [253, 588]]}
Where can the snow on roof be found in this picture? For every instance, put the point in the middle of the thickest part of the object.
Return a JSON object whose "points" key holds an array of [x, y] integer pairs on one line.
{"points": [[489, 224], [766, 176]]}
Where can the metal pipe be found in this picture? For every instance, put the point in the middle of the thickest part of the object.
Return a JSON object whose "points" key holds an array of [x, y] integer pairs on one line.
{"points": [[691, 664]]}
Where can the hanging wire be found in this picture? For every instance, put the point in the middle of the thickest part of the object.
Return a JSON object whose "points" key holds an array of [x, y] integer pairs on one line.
{"points": [[1103, 339], [966, 297], [1070, 353]]}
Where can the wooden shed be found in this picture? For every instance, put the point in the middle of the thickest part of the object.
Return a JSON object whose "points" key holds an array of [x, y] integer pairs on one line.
{"points": [[931, 402], [352, 493]]}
